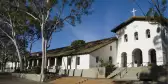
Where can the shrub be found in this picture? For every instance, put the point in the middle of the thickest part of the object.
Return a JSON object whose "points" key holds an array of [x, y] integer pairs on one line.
{"points": [[17, 70], [45, 71], [151, 64], [37, 70]]}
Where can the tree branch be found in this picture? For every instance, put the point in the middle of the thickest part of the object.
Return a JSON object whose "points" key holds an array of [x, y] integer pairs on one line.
{"points": [[31, 15], [7, 34], [157, 7]]}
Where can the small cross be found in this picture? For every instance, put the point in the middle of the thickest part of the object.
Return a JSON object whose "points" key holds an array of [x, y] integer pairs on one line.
{"points": [[133, 11]]}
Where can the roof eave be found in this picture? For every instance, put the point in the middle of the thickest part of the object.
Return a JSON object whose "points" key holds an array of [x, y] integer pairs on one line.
{"points": [[135, 18]]}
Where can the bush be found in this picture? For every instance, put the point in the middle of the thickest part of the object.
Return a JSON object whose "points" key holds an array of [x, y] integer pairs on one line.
{"points": [[37, 70], [109, 67], [151, 64], [45, 71], [17, 70]]}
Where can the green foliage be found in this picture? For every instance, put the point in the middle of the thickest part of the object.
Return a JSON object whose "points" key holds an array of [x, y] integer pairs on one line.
{"points": [[17, 70], [77, 43], [15, 23], [75, 10], [151, 64], [109, 67], [105, 64], [37, 69], [7, 48]]}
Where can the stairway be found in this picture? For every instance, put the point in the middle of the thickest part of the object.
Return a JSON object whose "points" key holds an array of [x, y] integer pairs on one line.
{"points": [[157, 73], [115, 72], [127, 74]]}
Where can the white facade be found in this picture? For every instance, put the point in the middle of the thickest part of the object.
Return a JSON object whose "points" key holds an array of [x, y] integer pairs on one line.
{"points": [[89, 60], [84, 62], [143, 43], [104, 53]]}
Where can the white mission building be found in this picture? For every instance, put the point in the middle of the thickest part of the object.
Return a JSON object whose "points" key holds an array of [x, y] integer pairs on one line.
{"points": [[138, 42]]}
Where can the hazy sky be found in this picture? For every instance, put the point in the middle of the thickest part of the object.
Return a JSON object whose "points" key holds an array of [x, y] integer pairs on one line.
{"points": [[107, 14]]}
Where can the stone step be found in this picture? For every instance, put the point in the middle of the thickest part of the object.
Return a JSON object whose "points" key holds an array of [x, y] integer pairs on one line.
{"points": [[115, 72], [147, 73], [128, 73]]}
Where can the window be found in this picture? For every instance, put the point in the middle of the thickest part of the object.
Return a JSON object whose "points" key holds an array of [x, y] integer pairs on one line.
{"points": [[78, 60], [69, 60], [166, 32], [110, 59], [147, 33], [110, 48], [125, 38], [158, 30], [97, 59], [136, 35]]}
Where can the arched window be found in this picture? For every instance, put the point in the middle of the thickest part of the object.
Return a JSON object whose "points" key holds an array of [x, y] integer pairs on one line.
{"points": [[97, 59], [124, 59], [110, 48], [110, 59], [158, 30], [125, 38], [136, 35], [147, 33]]}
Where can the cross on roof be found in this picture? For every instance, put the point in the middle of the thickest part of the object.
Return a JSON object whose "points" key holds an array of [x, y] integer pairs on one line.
{"points": [[133, 11]]}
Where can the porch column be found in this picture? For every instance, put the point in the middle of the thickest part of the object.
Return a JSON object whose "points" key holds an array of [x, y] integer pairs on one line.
{"points": [[55, 63], [37, 62], [28, 65], [32, 63], [48, 63], [16, 64]]}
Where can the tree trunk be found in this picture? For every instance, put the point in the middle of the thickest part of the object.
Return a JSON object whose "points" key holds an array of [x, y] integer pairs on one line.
{"points": [[43, 61], [19, 56], [2, 67], [43, 51]]}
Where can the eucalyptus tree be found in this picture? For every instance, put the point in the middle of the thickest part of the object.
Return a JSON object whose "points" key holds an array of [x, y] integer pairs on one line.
{"points": [[7, 50], [158, 11], [50, 16], [13, 23]]}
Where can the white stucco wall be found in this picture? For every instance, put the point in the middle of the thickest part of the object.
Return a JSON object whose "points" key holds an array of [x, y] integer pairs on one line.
{"points": [[143, 43], [11, 64], [89, 60], [104, 53], [84, 62]]}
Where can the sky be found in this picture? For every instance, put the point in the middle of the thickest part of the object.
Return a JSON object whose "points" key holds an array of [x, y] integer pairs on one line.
{"points": [[107, 14]]}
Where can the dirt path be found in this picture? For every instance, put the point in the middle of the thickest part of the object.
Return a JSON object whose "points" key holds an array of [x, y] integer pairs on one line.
{"points": [[8, 79]]}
